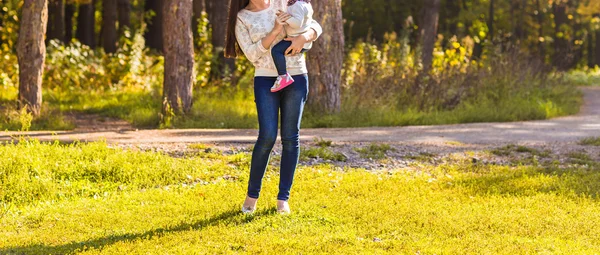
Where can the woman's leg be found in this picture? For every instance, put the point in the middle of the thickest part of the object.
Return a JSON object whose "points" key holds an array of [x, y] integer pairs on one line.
{"points": [[292, 103], [267, 106]]}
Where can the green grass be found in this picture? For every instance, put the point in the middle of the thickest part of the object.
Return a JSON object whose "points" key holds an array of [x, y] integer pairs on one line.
{"points": [[323, 142], [321, 153], [449, 209], [590, 141], [581, 158], [13, 119], [423, 157], [374, 151], [510, 149]]}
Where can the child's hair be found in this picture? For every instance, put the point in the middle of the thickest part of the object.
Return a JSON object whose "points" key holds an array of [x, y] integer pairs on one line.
{"points": [[292, 2]]}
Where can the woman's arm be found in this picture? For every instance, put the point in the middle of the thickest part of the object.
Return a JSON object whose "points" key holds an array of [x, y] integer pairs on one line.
{"points": [[255, 50], [309, 36], [277, 29]]}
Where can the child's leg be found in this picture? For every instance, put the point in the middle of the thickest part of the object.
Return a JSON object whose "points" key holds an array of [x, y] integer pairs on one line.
{"points": [[278, 53]]}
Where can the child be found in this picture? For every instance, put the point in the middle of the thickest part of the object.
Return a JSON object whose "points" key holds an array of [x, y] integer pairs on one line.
{"points": [[299, 23]]}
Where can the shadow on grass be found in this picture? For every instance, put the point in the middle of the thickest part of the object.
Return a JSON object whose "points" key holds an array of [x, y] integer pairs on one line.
{"points": [[100, 243]]}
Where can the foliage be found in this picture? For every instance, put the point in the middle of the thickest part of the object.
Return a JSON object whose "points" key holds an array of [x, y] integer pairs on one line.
{"points": [[76, 67], [380, 88], [9, 24], [204, 54], [583, 77], [88, 198]]}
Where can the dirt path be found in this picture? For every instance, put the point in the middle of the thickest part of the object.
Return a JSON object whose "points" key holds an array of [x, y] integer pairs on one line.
{"points": [[559, 130]]}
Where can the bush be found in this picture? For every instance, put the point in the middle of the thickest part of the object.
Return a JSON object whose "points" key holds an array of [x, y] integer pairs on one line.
{"points": [[383, 87]]}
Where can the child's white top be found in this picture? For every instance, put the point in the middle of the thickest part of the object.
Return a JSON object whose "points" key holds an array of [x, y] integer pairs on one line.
{"points": [[300, 22], [251, 27]]}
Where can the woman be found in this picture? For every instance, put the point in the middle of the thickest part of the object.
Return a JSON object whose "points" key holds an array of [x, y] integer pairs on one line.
{"points": [[254, 26]]}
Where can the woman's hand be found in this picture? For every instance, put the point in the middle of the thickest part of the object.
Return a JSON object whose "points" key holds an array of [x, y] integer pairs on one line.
{"points": [[282, 17], [299, 41]]}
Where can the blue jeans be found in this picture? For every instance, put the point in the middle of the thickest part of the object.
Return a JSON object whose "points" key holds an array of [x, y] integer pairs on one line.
{"points": [[278, 53], [290, 103]]}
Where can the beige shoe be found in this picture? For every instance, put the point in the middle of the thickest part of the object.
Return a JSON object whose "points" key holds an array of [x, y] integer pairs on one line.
{"points": [[249, 205], [283, 207]]}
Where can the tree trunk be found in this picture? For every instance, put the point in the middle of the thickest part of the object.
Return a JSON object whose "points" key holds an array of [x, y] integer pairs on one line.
{"points": [[578, 35], [56, 20], [217, 16], [541, 39], [490, 23], [597, 48], [124, 15], [428, 36], [326, 57], [179, 56], [31, 53], [86, 23], [561, 52], [69, 13], [522, 32], [199, 8], [590, 44], [513, 28], [453, 7], [154, 31], [109, 26]]}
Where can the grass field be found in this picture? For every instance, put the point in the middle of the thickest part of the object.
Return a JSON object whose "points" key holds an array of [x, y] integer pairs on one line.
{"points": [[93, 199]]}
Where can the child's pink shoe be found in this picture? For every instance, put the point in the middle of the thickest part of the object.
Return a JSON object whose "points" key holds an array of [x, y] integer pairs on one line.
{"points": [[282, 82]]}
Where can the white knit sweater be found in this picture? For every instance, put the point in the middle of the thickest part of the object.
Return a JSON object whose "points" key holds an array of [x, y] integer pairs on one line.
{"points": [[252, 27]]}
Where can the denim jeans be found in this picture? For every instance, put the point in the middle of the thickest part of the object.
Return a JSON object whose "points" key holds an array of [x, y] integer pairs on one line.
{"points": [[278, 53], [287, 104]]}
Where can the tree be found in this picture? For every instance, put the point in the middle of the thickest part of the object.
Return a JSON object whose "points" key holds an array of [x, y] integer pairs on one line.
{"points": [[325, 59], [56, 20], [199, 8], [490, 23], [179, 56], [124, 15], [428, 35], [86, 24], [561, 44], [590, 43], [591, 9], [541, 40], [154, 31], [520, 30], [217, 16], [449, 15], [597, 46], [31, 53], [69, 14], [109, 26]]}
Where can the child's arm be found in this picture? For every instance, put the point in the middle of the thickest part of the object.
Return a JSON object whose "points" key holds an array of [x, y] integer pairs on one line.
{"points": [[298, 19]]}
